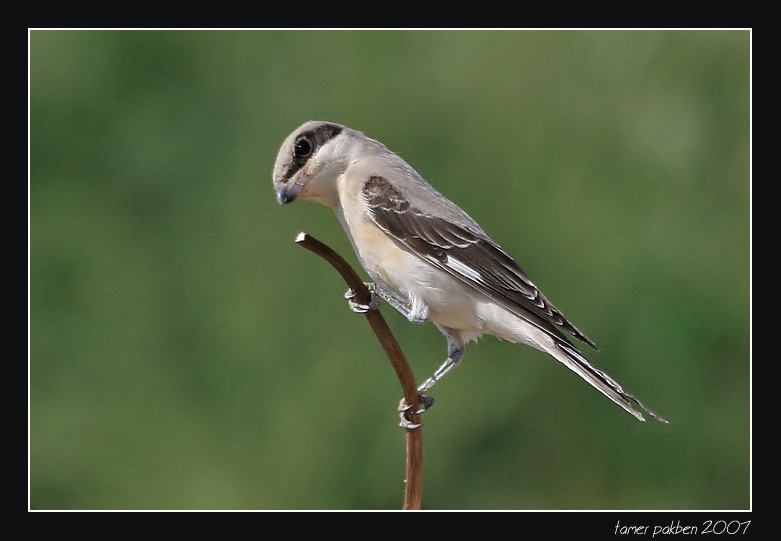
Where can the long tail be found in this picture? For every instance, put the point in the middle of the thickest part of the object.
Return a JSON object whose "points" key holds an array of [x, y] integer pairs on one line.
{"points": [[572, 359]]}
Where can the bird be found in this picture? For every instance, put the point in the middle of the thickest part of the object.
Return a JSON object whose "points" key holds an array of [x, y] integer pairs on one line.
{"points": [[427, 257]]}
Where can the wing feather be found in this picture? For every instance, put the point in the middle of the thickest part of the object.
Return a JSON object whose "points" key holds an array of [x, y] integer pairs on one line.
{"points": [[467, 254]]}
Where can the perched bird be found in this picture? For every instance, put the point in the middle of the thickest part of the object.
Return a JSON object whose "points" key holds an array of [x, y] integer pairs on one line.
{"points": [[428, 258]]}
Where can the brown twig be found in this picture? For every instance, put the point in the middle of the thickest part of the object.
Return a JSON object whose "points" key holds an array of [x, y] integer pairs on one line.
{"points": [[414, 462]]}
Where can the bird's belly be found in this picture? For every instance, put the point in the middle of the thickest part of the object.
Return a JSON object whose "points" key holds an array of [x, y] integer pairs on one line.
{"points": [[451, 302]]}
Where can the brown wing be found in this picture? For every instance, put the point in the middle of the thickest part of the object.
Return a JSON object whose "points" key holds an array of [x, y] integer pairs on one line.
{"points": [[467, 254]]}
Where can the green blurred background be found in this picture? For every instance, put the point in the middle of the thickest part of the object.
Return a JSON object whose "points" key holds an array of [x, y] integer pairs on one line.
{"points": [[186, 354]]}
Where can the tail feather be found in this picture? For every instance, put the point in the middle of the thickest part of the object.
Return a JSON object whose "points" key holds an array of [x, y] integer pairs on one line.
{"points": [[572, 359]]}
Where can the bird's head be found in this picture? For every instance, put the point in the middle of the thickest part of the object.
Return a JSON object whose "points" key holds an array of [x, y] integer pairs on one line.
{"points": [[310, 160]]}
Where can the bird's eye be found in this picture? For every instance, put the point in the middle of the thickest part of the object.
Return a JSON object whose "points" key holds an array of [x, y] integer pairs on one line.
{"points": [[302, 148]]}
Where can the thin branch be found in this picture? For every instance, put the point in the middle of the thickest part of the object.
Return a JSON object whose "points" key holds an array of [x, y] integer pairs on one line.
{"points": [[414, 461]]}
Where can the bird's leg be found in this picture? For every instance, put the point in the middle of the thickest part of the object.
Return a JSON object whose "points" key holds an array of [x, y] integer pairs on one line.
{"points": [[415, 312], [455, 354]]}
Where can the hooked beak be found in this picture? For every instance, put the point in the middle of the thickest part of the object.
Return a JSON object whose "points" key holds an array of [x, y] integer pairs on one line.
{"points": [[287, 192]]}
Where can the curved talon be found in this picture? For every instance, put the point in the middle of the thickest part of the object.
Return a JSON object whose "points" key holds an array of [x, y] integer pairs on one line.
{"points": [[357, 308], [403, 421], [425, 403], [406, 424], [360, 308]]}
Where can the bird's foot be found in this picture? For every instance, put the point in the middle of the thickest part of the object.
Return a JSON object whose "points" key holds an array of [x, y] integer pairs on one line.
{"points": [[425, 403], [359, 308]]}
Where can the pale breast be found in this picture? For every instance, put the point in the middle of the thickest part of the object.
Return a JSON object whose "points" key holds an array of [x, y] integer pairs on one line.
{"points": [[451, 302]]}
